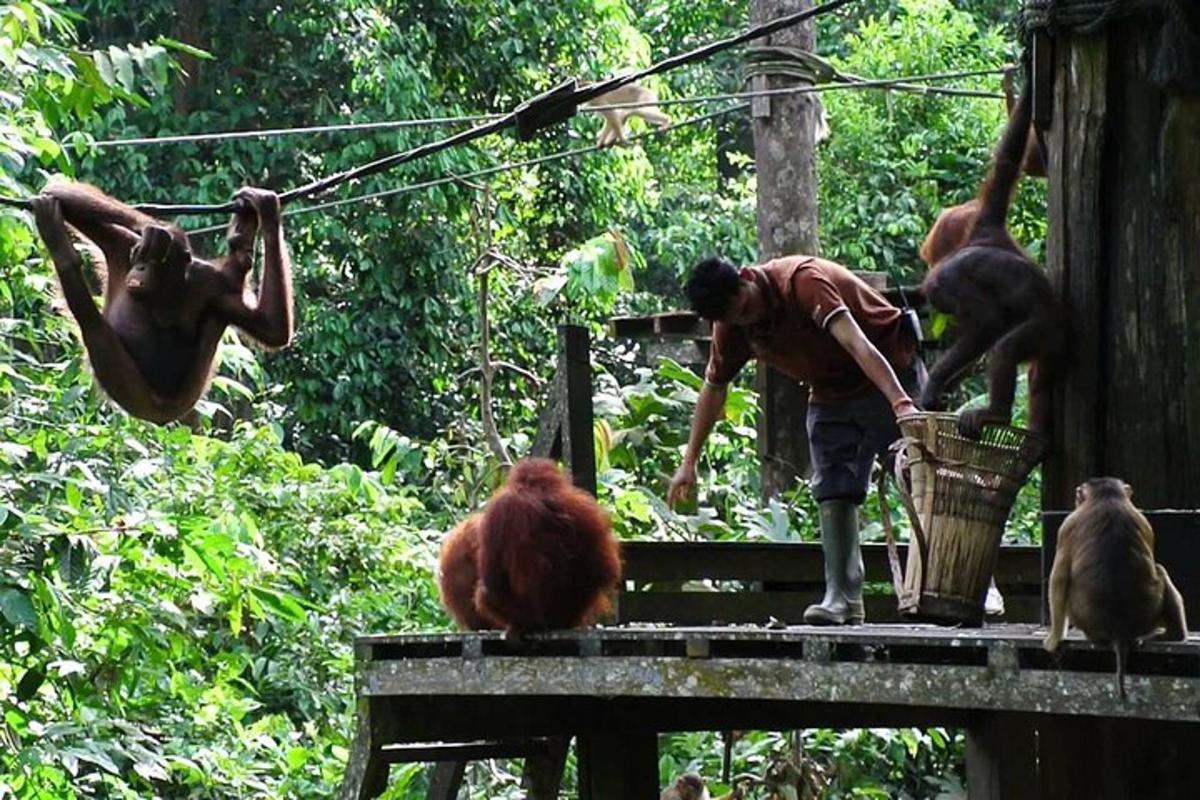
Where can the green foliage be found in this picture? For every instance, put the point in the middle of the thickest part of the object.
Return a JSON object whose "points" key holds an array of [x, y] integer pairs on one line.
{"points": [[894, 160]]}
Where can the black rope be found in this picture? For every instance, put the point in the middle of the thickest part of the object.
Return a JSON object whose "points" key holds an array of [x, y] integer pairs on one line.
{"points": [[562, 102]]}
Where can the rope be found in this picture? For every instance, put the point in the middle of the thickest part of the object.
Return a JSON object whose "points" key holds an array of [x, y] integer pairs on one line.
{"points": [[545, 106], [1176, 62], [911, 83], [864, 84], [532, 162], [792, 62], [1084, 16], [270, 133]]}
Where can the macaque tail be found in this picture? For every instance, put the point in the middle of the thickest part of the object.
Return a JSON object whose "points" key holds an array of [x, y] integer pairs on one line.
{"points": [[996, 194], [1122, 651]]}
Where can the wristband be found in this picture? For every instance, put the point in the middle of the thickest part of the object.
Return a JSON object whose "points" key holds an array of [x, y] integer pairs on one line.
{"points": [[901, 400]]}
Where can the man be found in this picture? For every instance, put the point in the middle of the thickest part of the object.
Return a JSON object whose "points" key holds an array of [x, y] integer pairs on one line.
{"points": [[816, 322]]}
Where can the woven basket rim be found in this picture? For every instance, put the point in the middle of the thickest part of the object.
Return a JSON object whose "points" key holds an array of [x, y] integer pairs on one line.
{"points": [[950, 415]]}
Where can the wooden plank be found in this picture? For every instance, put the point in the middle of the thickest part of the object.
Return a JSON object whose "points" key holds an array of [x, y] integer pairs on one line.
{"points": [[415, 646], [467, 716], [366, 774], [793, 562], [891, 677], [1112, 759], [460, 751], [714, 608], [681, 323], [542, 778], [631, 327]]}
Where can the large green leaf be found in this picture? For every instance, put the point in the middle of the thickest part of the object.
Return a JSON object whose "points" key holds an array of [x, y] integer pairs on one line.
{"points": [[18, 609]]}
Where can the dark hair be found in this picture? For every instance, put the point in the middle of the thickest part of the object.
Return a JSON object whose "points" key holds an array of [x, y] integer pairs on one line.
{"points": [[712, 287]]}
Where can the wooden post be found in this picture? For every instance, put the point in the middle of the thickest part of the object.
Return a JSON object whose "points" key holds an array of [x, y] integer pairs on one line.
{"points": [[1124, 252], [785, 163], [367, 772], [1001, 757], [618, 767], [543, 774], [565, 429], [446, 779], [579, 444]]}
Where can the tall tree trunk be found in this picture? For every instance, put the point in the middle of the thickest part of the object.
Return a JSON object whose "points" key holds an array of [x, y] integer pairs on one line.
{"points": [[189, 30], [785, 163]]}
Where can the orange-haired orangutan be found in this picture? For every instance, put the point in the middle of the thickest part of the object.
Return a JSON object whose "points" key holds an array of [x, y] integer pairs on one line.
{"points": [[1001, 301], [153, 345], [541, 556], [954, 224]]}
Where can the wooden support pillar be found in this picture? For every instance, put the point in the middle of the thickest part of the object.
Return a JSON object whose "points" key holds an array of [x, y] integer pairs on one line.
{"points": [[1001, 757], [618, 767], [565, 429], [1124, 252], [446, 780], [544, 771], [785, 164], [367, 771]]}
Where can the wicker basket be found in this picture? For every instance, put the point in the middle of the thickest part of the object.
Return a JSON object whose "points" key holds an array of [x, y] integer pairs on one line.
{"points": [[958, 493]]}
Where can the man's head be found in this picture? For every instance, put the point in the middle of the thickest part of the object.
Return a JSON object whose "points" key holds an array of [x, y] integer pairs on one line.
{"points": [[717, 292]]}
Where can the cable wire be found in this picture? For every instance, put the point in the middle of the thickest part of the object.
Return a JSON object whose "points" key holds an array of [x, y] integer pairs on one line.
{"points": [[903, 84], [574, 98]]}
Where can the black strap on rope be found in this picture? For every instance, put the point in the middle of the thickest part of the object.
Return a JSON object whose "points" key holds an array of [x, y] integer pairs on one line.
{"points": [[542, 111]]}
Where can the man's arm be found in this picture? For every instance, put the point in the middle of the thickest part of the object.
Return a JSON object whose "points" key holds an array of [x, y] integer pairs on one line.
{"points": [[845, 329], [709, 407]]}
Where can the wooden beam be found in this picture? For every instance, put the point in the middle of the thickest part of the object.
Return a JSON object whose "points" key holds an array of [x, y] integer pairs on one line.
{"points": [[798, 562]]}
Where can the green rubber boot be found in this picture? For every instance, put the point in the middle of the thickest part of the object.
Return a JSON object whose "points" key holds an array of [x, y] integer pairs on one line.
{"points": [[843, 603]]}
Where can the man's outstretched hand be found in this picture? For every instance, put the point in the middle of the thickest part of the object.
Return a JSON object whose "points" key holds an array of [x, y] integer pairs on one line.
{"points": [[682, 484]]}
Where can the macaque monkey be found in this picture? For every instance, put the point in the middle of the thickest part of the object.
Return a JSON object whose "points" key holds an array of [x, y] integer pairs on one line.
{"points": [[1105, 578], [691, 787], [686, 787], [614, 119]]}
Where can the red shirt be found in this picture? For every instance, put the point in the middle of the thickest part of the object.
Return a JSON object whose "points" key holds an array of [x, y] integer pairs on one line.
{"points": [[803, 294]]}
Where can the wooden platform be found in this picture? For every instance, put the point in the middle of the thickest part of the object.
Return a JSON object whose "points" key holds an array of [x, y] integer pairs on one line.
{"points": [[616, 688]]}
